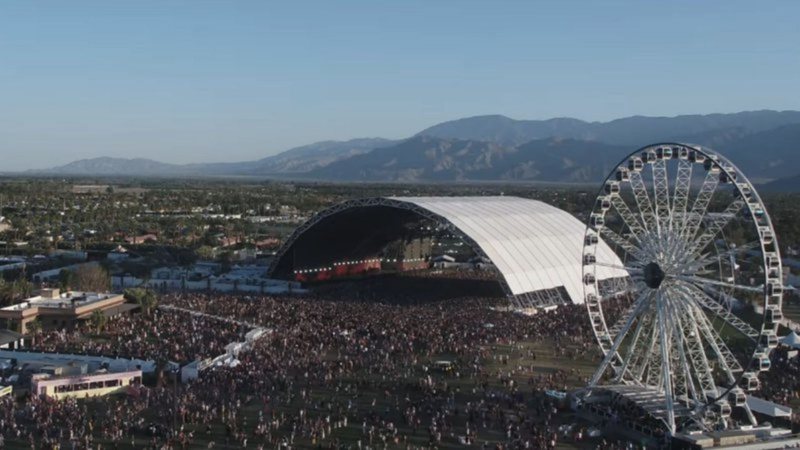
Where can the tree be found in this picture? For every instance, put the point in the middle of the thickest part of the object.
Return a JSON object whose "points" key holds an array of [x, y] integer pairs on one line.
{"points": [[92, 279], [161, 366], [5, 292], [23, 288], [14, 291], [98, 320], [33, 327], [226, 259], [205, 252], [145, 298], [66, 280]]}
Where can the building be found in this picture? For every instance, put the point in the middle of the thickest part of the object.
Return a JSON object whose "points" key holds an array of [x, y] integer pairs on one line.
{"points": [[10, 340], [13, 263], [53, 274], [142, 239], [82, 386], [536, 248], [61, 310], [118, 254]]}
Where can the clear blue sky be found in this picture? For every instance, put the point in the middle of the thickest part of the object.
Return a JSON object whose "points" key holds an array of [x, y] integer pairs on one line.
{"points": [[195, 81]]}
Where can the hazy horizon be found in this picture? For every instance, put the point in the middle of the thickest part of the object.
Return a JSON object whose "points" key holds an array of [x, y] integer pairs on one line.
{"points": [[191, 81]]}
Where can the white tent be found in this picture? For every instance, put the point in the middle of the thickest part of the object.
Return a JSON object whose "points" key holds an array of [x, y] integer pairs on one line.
{"points": [[791, 340], [534, 246], [768, 408]]}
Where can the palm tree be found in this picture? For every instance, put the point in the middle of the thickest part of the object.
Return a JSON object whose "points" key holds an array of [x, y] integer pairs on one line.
{"points": [[98, 320], [146, 298], [161, 367], [33, 328]]}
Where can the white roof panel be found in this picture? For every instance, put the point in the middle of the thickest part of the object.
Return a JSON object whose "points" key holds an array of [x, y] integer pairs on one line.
{"points": [[534, 245]]}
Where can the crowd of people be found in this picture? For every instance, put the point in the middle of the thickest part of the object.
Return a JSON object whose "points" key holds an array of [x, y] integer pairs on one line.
{"points": [[330, 363], [164, 335], [781, 384], [331, 372]]}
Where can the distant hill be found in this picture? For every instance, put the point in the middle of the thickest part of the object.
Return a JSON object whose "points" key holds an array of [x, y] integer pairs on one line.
{"points": [[116, 166], [763, 156], [788, 184], [763, 143], [504, 130], [295, 160], [768, 154], [635, 130], [314, 156], [436, 159]]}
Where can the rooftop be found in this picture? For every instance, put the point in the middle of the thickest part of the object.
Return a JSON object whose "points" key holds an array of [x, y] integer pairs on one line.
{"points": [[72, 299], [8, 336]]}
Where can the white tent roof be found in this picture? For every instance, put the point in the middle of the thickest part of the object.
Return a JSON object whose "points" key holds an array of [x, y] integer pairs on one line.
{"points": [[791, 340], [534, 245], [768, 408]]}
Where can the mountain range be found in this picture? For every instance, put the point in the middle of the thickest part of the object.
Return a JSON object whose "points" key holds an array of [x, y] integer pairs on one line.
{"points": [[496, 147], [635, 130], [295, 161]]}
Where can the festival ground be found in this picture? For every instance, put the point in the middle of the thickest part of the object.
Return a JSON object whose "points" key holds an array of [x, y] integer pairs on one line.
{"points": [[545, 362], [510, 379]]}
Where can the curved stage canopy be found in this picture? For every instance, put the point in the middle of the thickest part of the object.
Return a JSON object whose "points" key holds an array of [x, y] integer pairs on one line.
{"points": [[535, 247]]}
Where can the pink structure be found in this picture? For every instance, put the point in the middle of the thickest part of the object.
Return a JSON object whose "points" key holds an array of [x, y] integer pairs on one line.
{"points": [[82, 386]]}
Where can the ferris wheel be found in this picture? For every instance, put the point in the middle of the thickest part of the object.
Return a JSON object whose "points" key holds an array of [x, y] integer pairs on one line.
{"points": [[699, 314]]}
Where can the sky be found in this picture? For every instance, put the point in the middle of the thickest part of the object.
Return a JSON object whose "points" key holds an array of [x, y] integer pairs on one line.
{"points": [[205, 81]]}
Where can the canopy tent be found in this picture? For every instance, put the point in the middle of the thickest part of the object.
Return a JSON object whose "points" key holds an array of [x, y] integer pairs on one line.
{"points": [[536, 247], [791, 340], [768, 408]]}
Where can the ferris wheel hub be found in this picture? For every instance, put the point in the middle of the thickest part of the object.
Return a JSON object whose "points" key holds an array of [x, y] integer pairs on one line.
{"points": [[653, 275]]}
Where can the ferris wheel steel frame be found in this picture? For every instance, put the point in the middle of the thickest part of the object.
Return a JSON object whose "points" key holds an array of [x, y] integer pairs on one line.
{"points": [[665, 340]]}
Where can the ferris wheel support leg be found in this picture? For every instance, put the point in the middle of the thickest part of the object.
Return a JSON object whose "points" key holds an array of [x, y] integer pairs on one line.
{"points": [[680, 345], [702, 367], [750, 415], [713, 340], [698, 318], [666, 370], [631, 351], [644, 361], [715, 345], [612, 352]]}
